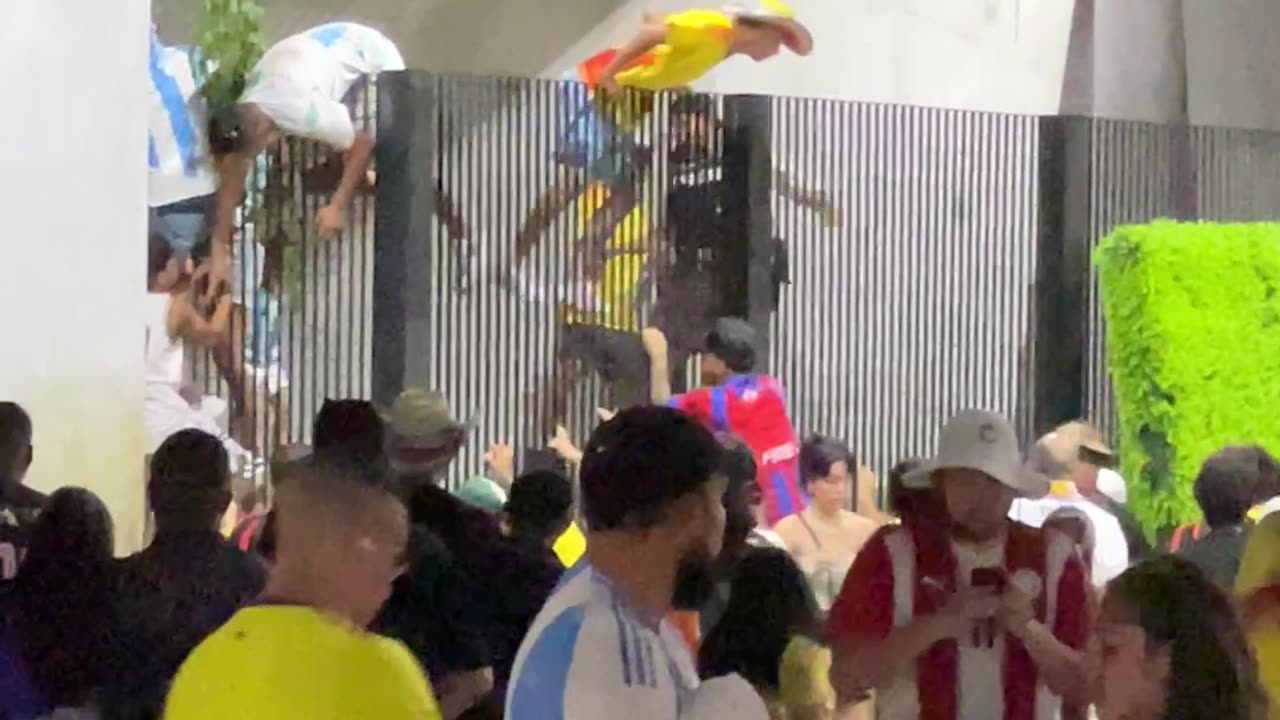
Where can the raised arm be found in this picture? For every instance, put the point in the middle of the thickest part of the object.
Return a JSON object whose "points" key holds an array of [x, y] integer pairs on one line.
{"points": [[205, 333], [655, 346], [233, 169], [332, 218], [652, 34], [814, 200]]}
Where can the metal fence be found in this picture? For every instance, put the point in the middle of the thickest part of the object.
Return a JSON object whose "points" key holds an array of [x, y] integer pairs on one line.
{"points": [[300, 327], [908, 246]]}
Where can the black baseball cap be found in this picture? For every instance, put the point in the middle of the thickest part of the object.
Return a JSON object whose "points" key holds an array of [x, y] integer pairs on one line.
{"points": [[733, 340], [640, 462]]}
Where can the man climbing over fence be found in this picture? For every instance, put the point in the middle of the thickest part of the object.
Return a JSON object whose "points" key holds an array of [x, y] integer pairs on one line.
{"points": [[297, 89], [606, 96]]}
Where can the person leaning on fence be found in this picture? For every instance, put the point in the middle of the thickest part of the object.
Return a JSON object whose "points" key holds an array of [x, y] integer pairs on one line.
{"points": [[297, 89], [669, 52]]}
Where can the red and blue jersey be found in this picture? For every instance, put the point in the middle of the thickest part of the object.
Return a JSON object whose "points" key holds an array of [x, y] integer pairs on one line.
{"points": [[754, 407]]}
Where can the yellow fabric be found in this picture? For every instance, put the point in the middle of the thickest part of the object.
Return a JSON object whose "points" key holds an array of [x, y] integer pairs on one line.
{"points": [[1266, 647], [618, 285], [279, 662], [803, 677], [570, 546], [1260, 561], [697, 41], [1062, 489]]}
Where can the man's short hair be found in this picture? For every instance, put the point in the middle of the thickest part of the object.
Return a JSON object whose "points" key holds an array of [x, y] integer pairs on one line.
{"points": [[15, 430], [331, 489], [349, 426], [1231, 481], [733, 340], [539, 503], [227, 130], [640, 462], [190, 478]]}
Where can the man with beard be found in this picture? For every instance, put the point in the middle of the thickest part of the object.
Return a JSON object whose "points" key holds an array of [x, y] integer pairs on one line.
{"points": [[651, 493], [976, 617]]}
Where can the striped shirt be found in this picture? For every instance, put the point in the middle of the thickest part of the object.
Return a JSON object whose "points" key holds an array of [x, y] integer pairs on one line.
{"points": [[177, 146], [590, 655]]}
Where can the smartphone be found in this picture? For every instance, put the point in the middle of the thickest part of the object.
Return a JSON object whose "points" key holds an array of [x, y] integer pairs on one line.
{"points": [[988, 577]]}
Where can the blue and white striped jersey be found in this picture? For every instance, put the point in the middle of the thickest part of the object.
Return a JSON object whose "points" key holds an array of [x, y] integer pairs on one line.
{"points": [[177, 147], [590, 656]]}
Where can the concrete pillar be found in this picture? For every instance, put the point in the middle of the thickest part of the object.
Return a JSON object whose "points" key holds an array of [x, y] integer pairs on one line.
{"points": [[72, 264]]}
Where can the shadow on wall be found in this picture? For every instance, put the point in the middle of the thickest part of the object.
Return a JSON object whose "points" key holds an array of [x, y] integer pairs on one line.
{"points": [[511, 37]]}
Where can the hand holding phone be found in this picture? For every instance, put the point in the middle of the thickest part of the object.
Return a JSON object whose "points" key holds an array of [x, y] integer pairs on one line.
{"points": [[988, 577]]}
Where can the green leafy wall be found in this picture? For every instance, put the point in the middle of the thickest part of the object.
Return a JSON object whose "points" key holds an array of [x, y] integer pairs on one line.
{"points": [[1193, 349]]}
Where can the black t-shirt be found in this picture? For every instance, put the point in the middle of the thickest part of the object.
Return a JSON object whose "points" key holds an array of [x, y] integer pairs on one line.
{"points": [[19, 506], [519, 587], [435, 608], [166, 600], [694, 210], [1218, 554]]}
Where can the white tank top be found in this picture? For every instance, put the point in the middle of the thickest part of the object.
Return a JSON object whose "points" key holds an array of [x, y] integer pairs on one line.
{"points": [[164, 353]]}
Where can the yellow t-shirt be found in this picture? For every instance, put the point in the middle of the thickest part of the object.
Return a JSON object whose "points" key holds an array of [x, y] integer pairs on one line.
{"points": [[697, 41], [617, 287], [570, 546], [286, 662], [1265, 640], [803, 676]]}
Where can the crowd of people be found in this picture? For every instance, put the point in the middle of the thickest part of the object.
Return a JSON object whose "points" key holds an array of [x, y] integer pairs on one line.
{"points": [[694, 558], [709, 565]]}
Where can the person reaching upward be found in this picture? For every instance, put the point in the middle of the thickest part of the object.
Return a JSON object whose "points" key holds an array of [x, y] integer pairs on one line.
{"points": [[738, 400], [172, 320]]}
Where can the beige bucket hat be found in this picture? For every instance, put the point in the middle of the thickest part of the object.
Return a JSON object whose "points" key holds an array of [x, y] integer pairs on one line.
{"points": [[983, 441]]}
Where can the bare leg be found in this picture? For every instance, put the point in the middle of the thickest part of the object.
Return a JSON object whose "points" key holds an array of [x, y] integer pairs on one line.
{"points": [[228, 356], [550, 206], [456, 229]]}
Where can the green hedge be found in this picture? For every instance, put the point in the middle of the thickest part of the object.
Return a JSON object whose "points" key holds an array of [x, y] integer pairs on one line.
{"points": [[1193, 349]]}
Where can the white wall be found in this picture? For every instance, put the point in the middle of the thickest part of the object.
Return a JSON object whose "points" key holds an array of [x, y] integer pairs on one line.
{"points": [[999, 55], [72, 272]]}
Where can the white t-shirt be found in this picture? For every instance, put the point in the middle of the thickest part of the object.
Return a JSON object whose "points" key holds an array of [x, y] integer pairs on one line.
{"points": [[178, 158], [1111, 549], [301, 81], [590, 656]]}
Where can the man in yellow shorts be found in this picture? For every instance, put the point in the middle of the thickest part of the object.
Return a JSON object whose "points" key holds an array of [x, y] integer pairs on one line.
{"points": [[605, 96], [303, 651]]}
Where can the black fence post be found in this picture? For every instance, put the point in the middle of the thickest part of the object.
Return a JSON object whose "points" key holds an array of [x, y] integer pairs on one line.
{"points": [[1062, 270], [747, 286], [405, 157]]}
